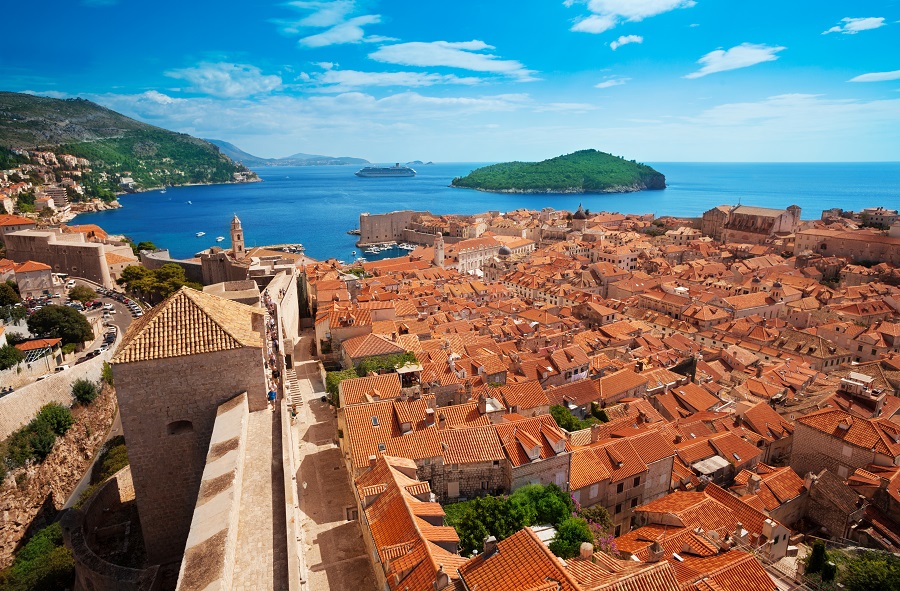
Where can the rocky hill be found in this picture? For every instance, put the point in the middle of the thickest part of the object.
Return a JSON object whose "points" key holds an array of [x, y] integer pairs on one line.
{"points": [[585, 171], [115, 144]]}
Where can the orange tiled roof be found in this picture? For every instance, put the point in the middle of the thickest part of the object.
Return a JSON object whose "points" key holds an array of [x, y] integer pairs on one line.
{"points": [[30, 266], [369, 345]]}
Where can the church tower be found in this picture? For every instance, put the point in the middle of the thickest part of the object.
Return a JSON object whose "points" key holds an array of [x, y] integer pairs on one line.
{"points": [[237, 239], [439, 250]]}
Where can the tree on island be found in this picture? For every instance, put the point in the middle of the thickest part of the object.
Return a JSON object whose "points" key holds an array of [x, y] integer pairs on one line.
{"points": [[62, 322]]}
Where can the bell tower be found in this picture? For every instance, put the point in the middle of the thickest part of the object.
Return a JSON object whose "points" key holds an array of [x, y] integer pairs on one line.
{"points": [[237, 239], [439, 250]]}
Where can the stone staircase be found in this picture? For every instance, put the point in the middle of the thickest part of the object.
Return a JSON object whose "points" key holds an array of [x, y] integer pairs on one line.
{"points": [[292, 390]]}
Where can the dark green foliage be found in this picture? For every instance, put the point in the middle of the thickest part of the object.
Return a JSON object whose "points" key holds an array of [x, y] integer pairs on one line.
{"points": [[388, 362], [35, 440], [586, 171], [69, 348], [85, 391], [8, 295], [60, 321], [156, 284], [817, 558], [82, 293], [57, 417], [829, 570], [872, 570], [10, 356], [12, 314], [568, 421], [113, 458], [570, 534], [44, 564], [597, 515], [333, 380], [106, 374], [503, 516]]}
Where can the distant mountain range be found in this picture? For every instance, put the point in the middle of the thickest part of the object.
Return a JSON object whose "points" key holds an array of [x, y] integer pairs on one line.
{"points": [[299, 159]]}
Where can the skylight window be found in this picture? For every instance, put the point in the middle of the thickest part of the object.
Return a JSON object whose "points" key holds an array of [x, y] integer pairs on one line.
{"points": [[737, 457], [374, 421]]}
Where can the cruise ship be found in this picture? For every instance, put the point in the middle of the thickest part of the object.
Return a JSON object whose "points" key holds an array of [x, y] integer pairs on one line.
{"points": [[386, 171]]}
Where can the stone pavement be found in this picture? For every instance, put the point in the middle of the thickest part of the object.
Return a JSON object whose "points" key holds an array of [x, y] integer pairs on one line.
{"points": [[333, 546], [261, 556]]}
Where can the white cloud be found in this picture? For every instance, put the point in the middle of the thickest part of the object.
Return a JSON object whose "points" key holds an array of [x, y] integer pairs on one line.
{"points": [[741, 56], [337, 20], [877, 77], [343, 80], [48, 93], [463, 55], [852, 26], [594, 23], [606, 14], [226, 80], [612, 82], [625, 40], [350, 31]]}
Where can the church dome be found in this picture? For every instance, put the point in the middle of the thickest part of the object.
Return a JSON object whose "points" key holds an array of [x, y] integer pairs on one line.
{"points": [[579, 215], [505, 251]]}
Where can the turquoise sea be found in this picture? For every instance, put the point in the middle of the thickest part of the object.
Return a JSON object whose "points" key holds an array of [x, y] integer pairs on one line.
{"points": [[316, 205]]}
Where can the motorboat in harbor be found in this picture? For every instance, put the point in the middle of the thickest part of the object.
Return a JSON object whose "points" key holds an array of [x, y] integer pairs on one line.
{"points": [[220, 238], [199, 234], [372, 250]]}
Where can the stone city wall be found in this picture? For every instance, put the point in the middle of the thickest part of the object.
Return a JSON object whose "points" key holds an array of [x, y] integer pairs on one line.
{"points": [[64, 253], [17, 409], [384, 227], [213, 538]]}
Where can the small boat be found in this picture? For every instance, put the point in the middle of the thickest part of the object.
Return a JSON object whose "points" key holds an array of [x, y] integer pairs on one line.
{"points": [[372, 250], [353, 253], [199, 234], [220, 238], [189, 203], [163, 191]]}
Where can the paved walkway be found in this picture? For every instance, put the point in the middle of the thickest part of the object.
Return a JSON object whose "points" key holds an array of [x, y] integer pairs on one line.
{"points": [[333, 546], [261, 557]]}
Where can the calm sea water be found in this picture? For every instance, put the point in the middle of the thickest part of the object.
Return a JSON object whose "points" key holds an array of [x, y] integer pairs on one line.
{"points": [[316, 205]]}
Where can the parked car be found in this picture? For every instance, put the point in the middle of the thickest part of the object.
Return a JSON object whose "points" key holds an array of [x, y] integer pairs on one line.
{"points": [[60, 368], [108, 307]]}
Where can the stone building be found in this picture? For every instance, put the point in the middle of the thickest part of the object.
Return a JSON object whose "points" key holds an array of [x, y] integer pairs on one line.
{"points": [[385, 227], [841, 442], [857, 246], [169, 383], [747, 224], [14, 223], [71, 253], [36, 279]]}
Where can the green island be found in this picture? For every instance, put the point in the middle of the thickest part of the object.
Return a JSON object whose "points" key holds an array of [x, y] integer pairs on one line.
{"points": [[585, 171], [115, 145]]}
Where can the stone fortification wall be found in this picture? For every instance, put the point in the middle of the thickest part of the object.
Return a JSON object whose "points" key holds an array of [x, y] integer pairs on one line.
{"points": [[65, 253], [414, 237], [384, 227], [18, 408], [168, 413], [46, 487], [82, 526], [212, 542], [297, 573], [154, 260]]}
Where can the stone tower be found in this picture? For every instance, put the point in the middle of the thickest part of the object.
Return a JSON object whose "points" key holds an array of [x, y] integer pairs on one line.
{"points": [[237, 239], [579, 219], [173, 369], [439, 250]]}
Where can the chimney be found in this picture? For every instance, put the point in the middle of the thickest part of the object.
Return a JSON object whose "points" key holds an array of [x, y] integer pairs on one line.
{"points": [[442, 421], [372, 461], [586, 550], [809, 481], [656, 552], [679, 438], [490, 546], [595, 433], [429, 416], [753, 484], [441, 579], [759, 371]]}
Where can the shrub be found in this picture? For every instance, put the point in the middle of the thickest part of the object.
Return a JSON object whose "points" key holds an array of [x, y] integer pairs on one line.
{"points": [[69, 348], [84, 391], [106, 373], [570, 534], [44, 564], [817, 558], [57, 417], [113, 458]]}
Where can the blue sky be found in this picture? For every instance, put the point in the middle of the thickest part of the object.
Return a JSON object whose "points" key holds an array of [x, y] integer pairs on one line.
{"points": [[489, 80]]}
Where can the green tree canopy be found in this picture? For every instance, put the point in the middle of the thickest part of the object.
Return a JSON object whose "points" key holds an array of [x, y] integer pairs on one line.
{"points": [[82, 294], [60, 321], [85, 391], [872, 570], [10, 356], [568, 421], [570, 534], [8, 295], [156, 284]]}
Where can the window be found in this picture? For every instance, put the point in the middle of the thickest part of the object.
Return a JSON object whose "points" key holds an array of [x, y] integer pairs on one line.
{"points": [[382, 448], [594, 489], [634, 503], [374, 421], [618, 508], [620, 487], [484, 485], [637, 481], [496, 462], [180, 427], [618, 530]]}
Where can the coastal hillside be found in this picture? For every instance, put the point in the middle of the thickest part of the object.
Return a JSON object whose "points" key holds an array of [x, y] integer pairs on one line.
{"points": [[116, 145], [585, 171], [248, 159]]}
